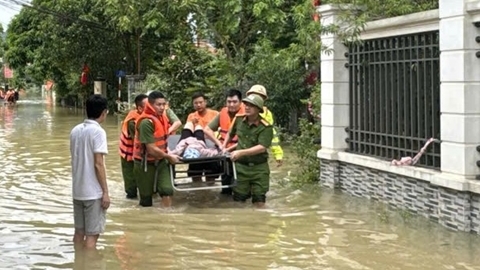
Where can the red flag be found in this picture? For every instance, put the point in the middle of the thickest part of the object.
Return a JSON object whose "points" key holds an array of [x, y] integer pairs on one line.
{"points": [[84, 76]]}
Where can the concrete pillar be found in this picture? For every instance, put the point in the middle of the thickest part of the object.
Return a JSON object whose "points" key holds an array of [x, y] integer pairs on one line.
{"points": [[334, 78], [100, 87], [459, 90]]}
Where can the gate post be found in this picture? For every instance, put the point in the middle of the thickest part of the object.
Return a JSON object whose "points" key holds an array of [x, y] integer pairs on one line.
{"points": [[459, 88], [334, 97]]}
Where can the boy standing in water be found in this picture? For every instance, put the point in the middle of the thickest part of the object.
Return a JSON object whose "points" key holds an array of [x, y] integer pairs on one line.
{"points": [[88, 146]]}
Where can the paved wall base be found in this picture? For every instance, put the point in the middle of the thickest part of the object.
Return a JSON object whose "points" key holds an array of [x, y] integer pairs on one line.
{"points": [[456, 210]]}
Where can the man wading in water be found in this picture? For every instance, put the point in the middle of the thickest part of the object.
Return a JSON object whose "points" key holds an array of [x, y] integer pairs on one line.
{"points": [[88, 146]]}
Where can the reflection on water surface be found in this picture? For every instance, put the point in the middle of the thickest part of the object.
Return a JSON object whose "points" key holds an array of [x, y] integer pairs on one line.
{"points": [[300, 229]]}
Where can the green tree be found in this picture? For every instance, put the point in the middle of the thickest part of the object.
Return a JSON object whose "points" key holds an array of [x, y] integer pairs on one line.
{"points": [[266, 42], [2, 40], [378, 9], [2, 52]]}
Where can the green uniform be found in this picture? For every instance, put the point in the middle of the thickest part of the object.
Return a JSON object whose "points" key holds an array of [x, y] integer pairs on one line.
{"points": [[253, 172], [171, 116], [214, 123], [127, 168], [158, 170]]}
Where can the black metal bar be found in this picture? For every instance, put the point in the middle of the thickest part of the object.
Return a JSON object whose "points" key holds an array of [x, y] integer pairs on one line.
{"points": [[353, 88], [395, 97]]}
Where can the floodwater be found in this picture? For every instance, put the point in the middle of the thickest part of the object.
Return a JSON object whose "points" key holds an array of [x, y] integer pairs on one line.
{"points": [[300, 229]]}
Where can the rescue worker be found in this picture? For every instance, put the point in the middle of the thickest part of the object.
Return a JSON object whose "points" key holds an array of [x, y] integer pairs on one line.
{"points": [[173, 120], [202, 116], [255, 136], [267, 115], [222, 122], [126, 146], [150, 152]]}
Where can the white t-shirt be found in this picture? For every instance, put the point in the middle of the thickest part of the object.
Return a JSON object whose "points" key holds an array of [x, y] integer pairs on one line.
{"points": [[86, 139]]}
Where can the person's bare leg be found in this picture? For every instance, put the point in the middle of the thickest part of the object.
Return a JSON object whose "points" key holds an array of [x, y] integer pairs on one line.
{"points": [[259, 205], [78, 238], [166, 201], [188, 125], [91, 241], [198, 127]]}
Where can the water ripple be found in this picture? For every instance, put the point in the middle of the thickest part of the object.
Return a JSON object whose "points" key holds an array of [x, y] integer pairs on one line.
{"points": [[299, 229]]}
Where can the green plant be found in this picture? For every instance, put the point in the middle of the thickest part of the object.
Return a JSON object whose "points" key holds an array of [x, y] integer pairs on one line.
{"points": [[305, 146]]}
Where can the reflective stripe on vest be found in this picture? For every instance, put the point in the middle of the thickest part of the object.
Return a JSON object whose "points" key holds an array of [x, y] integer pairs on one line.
{"points": [[125, 147], [160, 124], [226, 123]]}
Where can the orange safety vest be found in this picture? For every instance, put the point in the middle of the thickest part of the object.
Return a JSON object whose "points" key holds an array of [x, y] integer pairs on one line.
{"points": [[203, 120], [160, 134], [126, 142], [226, 123]]}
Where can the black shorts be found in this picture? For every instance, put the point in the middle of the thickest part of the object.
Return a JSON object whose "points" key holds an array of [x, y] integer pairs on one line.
{"points": [[186, 133]]}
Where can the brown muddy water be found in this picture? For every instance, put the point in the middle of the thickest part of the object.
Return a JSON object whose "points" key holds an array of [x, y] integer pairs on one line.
{"points": [[300, 229]]}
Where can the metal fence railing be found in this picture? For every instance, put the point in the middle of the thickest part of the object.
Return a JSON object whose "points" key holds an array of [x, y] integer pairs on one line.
{"points": [[395, 97]]}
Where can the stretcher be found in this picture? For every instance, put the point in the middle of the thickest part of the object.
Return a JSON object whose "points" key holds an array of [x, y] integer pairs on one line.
{"points": [[226, 169]]}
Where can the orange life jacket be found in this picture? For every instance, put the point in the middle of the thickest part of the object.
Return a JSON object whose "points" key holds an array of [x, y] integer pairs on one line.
{"points": [[226, 124], [126, 141], [160, 134]]}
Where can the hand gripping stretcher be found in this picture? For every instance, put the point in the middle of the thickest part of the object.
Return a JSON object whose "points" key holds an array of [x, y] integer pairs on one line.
{"points": [[225, 164]]}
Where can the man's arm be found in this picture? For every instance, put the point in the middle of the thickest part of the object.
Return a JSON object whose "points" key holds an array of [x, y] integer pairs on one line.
{"points": [[209, 130], [173, 120], [147, 130], [100, 171], [131, 128], [100, 149], [230, 134]]}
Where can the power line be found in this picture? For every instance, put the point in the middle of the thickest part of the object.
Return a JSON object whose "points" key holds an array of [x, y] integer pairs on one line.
{"points": [[58, 15], [9, 5]]}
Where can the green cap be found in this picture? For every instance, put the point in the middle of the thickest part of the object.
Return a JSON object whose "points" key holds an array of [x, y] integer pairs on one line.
{"points": [[255, 100]]}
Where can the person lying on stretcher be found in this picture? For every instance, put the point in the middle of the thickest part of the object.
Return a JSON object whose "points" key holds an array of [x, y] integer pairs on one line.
{"points": [[192, 144]]}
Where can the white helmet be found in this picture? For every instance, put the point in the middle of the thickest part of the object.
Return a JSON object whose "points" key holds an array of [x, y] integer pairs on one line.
{"points": [[258, 89]]}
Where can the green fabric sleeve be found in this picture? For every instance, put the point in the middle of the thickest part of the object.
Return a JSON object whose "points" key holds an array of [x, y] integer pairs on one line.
{"points": [[265, 136], [131, 128], [172, 117], [146, 130], [215, 123]]}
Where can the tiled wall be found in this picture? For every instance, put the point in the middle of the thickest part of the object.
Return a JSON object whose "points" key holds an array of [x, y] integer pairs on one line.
{"points": [[453, 209]]}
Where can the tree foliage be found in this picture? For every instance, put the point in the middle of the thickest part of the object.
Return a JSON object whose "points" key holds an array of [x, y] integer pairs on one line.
{"points": [[258, 42], [270, 42], [379, 9]]}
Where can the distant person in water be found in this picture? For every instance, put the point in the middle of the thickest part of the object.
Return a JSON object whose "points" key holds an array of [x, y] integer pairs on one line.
{"points": [[16, 95], [10, 96]]}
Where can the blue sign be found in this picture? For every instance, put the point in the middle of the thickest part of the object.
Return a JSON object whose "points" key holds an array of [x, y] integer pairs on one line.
{"points": [[120, 73]]}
